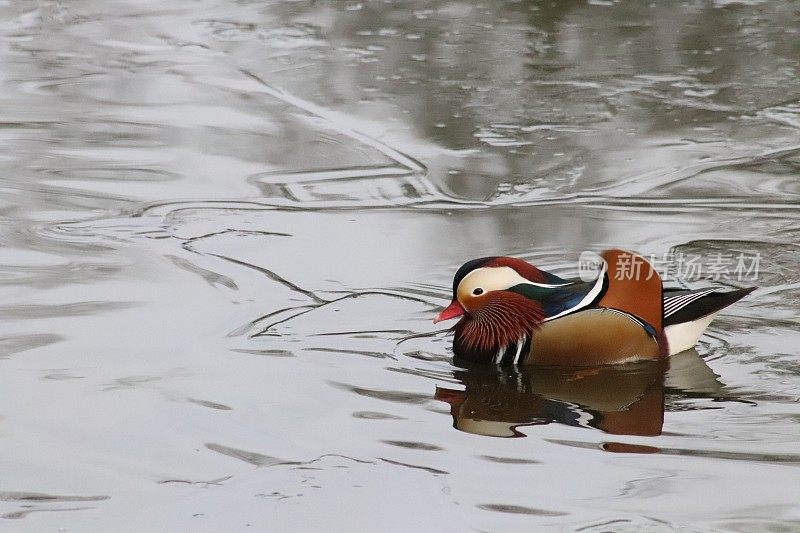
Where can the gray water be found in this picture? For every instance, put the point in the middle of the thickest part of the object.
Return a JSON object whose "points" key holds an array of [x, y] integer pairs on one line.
{"points": [[222, 222]]}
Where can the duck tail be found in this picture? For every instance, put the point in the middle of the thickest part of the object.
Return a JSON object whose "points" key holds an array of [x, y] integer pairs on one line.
{"points": [[684, 326], [703, 304]]}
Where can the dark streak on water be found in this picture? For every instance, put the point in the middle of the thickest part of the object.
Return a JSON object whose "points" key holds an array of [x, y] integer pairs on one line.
{"points": [[518, 509]]}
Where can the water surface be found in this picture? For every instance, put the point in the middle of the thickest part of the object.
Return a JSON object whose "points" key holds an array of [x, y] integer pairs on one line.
{"points": [[218, 219]]}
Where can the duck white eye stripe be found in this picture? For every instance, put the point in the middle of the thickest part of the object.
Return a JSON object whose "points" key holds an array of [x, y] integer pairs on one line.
{"points": [[498, 278], [547, 285]]}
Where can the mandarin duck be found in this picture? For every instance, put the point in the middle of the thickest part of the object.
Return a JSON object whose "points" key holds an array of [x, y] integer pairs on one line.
{"points": [[514, 313]]}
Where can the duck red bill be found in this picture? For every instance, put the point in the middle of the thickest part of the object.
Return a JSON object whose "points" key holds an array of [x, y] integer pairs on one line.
{"points": [[452, 311]]}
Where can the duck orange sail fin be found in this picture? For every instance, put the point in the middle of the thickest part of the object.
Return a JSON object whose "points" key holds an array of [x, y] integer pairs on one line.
{"points": [[634, 287]]}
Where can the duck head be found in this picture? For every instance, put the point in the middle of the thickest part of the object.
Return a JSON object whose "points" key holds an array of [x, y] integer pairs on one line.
{"points": [[495, 297]]}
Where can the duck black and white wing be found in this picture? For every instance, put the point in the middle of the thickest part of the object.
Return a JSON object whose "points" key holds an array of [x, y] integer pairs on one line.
{"points": [[687, 313]]}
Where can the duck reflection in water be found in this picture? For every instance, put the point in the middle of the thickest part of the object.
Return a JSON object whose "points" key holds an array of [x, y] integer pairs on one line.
{"points": [[624, 399]]}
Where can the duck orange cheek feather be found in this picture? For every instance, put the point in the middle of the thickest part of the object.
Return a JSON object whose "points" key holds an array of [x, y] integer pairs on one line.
{"points": [[453, 310]]}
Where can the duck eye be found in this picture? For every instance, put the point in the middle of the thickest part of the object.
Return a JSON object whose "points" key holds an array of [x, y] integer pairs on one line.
{"points": [[478, 291]]}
